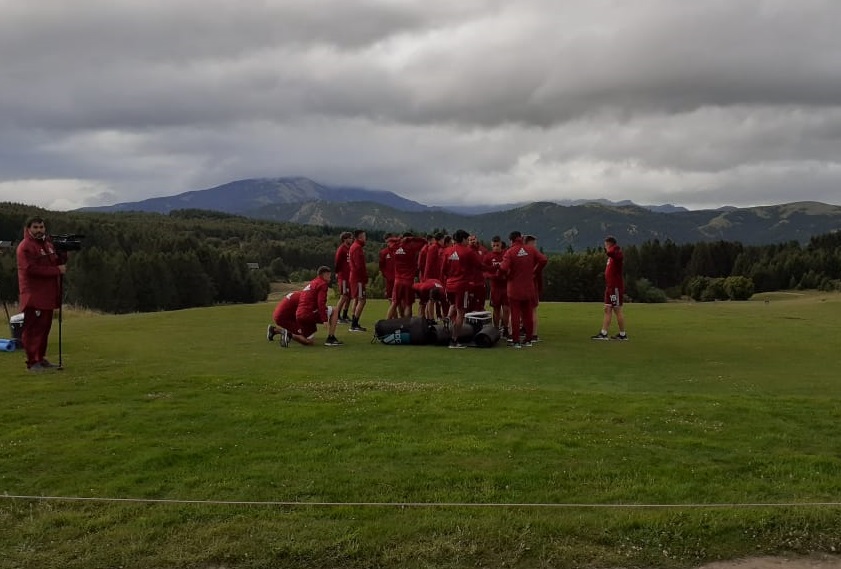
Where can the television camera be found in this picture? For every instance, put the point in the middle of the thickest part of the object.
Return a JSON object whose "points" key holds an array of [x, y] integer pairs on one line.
{"points": [[67, 242]]}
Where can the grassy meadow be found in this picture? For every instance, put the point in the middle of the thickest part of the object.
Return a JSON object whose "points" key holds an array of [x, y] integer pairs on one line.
{"points": [[540, 457]]}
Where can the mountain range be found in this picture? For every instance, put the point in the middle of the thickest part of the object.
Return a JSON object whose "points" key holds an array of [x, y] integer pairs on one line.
{"points": [[572, 224]]}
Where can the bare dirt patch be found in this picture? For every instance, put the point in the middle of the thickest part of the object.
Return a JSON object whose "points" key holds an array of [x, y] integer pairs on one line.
{"points": [[812, 562]]}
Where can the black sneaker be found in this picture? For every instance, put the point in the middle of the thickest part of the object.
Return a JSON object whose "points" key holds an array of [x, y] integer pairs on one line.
{"points": [[284, 338], [456, 346], [270, 332], [622, 337], [528, 344], [333, 341], [344, 320], [357, 328], [600, 336]]}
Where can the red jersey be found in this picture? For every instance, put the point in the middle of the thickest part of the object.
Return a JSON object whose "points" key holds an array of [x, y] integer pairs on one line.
{"points": [[312, 304], [386, 263], [39, 278], [521, 263], [405, 255], [427, 285], [356, 259], [460, 265], [341, 264], [478, 276], [613, 269], [422, 260], [492, 262], [432, 267], [422, 288], [287, 307]]}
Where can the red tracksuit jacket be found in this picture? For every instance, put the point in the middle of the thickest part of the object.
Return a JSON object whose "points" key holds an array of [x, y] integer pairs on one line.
{"points": [[38, 274]]}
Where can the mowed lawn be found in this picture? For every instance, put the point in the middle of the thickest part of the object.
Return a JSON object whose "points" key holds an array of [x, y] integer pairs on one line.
{"points": [[712, 434]]}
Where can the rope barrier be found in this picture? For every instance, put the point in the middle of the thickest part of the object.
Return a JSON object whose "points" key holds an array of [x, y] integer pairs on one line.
{"points": [[294, 504]]}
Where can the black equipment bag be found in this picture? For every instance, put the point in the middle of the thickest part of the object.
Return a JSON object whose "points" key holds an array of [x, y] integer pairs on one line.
{"points": [[487, 337], [402, 331]]}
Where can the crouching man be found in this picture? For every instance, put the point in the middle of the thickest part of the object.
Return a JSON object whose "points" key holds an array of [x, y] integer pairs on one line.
{"points": [[313, 310], [299, 313]]}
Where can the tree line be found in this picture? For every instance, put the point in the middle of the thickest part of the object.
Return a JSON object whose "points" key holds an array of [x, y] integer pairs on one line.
{"points": [[137, 262], [656, 271], [140, 262]]}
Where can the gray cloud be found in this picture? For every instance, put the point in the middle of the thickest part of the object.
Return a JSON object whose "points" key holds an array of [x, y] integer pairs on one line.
{"points": [[695, 103]]}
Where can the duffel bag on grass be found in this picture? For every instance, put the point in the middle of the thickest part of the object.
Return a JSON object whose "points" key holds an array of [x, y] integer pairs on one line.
{"points": [[402, 331]]}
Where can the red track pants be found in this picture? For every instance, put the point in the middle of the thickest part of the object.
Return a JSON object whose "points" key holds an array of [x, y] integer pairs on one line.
{"points": [[522, 311], [36, 330]]}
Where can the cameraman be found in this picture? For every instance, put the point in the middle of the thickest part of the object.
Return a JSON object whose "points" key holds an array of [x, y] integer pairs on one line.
{"points": [[40, 270]]}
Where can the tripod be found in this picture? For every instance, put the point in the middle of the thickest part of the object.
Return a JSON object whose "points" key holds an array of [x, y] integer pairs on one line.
{"points": [[60, 319]]}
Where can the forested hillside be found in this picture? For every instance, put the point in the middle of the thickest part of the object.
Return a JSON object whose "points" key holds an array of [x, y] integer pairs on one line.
{"points": [[145, 262]]}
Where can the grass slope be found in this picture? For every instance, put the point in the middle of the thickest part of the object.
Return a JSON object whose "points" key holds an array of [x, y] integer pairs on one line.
{"points": [[707, 404]]}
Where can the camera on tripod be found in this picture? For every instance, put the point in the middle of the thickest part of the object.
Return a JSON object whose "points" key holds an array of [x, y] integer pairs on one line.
{"points": [[67, 242]]}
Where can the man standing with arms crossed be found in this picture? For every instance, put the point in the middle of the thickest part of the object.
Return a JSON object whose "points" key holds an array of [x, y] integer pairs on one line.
{"points": [[614, 291], [40, 270], [358, 278]]}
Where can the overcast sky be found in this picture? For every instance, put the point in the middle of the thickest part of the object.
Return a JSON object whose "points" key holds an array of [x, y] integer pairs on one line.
{"points": [[699, 104]]}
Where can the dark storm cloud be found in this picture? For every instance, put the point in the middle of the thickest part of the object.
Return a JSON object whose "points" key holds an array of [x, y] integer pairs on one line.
{"points": [[537, 99]]}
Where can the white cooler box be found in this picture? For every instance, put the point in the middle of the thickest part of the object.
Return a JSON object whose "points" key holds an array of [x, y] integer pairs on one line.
{"points": [[478, 319]]}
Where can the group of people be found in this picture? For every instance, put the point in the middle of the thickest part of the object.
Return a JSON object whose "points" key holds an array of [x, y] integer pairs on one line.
{"points": [[449, 277]]}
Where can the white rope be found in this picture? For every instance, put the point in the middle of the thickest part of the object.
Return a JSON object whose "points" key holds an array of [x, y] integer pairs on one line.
{"points": [[422, 504]]}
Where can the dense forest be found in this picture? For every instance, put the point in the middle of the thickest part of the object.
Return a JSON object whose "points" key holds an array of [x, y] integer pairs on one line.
{"points": [[134, 262], [139, 262]]}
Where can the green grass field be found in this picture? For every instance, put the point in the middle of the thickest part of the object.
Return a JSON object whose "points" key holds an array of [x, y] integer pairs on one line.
{"points": [[540, 457]]}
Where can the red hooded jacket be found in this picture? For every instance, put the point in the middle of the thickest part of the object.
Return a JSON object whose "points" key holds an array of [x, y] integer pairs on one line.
{"points": [[39, 278], [312, 304], [521, 263], [356, 258]]}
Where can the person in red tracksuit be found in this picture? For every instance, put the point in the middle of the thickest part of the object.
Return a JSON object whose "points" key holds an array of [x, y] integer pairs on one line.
{"points": [[521, 262], [433, 262], [422, 257], [404, 255], [444, 245], [284, 318], [341, 267], [538, 283], [478, 292], [358, 278], [40, 270], [460, 264], [499, 284], [313, 310], [386, 264], [614, 291], [430, 292]]}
